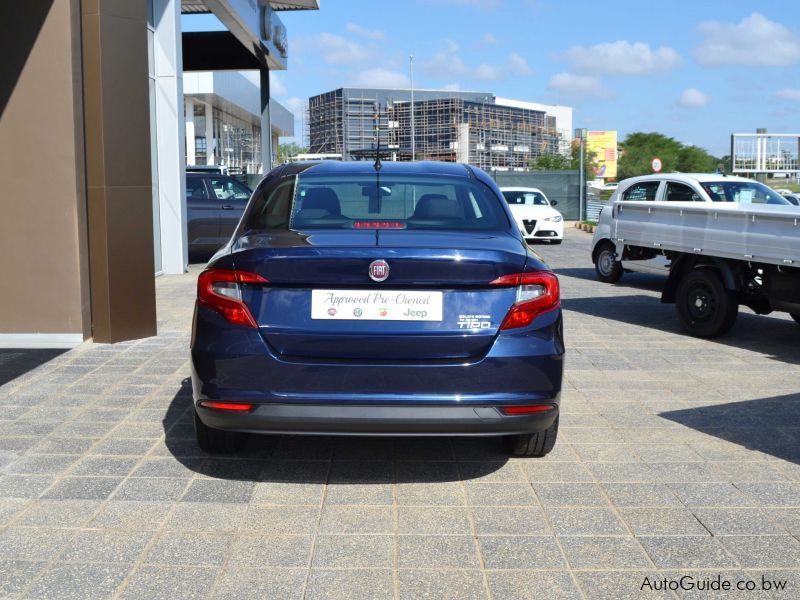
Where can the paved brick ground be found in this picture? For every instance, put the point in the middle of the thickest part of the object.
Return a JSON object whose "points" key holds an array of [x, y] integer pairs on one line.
{"points": [[676, 457]]}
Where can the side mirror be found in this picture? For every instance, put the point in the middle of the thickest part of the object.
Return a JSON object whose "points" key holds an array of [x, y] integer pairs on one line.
{"points": [[553, 202]]}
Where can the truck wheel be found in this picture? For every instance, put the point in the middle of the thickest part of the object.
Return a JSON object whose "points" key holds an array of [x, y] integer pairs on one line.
{"points": [[533, 444], [217, 441], [606, 265], [796, 317], [706, 309]]}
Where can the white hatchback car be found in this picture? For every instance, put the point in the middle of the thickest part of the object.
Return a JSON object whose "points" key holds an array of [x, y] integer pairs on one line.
{"points": [[535, 215]]}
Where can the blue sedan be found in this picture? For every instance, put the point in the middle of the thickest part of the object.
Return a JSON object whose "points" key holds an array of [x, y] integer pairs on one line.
{"points": [[393, 299]]}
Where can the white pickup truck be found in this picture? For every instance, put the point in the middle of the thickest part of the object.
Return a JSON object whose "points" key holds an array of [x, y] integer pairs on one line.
{"points": [[723, 241]]}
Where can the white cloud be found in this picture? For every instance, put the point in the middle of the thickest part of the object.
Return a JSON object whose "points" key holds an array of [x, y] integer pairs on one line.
{"points": [[489, 39], [445, 63], [578, 86], [487, 72], [370, 34], [452, 87], [693, 98], [754, 41], [380, 78], [276, 85], [336, 50], [295, 105], [789, 94], [623, 58], [517, 65]]}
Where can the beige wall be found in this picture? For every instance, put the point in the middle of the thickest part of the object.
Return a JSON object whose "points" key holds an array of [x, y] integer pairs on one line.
{"points": [[44, 267]]}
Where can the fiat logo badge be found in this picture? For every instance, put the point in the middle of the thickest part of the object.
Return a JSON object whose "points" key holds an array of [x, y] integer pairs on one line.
{"points": [[379, 270]]}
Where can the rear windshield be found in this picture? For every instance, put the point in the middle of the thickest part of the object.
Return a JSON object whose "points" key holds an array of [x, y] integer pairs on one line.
{"points": [[525, 198], [376, 202], [743, 192]]}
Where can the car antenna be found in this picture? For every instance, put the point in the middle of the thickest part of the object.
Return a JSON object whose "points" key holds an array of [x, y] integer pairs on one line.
{"points": [[376, 121]]}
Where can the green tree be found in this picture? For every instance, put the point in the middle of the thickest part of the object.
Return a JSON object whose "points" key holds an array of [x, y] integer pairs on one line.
{"points": [[639, 149], [288, 151], [559, 162]]}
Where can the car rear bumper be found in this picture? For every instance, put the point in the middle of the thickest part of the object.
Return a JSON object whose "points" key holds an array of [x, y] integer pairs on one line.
{"points": [[377, 420]]}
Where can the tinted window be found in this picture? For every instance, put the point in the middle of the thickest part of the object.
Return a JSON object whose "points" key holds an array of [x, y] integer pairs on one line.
{"points": [[196, 188], [366, 202], [645, 191], [525, 198], [678, 192], [743, 192], [227, 189]]}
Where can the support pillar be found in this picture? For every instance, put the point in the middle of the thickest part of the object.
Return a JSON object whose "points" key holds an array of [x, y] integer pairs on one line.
{"points": [[266, 123], [191, 157]]}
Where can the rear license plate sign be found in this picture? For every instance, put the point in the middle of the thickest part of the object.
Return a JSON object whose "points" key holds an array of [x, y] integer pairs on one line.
{"points": [[383, 305]]}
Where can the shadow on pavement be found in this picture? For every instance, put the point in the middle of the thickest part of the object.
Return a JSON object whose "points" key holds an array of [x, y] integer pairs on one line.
{"points": [[18, 361], [776, 338], [335, 459], [643, 281], [768, 425]]}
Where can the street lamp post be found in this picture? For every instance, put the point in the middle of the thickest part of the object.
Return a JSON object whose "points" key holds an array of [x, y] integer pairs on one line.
{"points": [[413, 136]]}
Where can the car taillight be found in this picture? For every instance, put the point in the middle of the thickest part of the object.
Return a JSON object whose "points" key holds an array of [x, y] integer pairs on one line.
{"points": [[537, 292], [220, 290]]}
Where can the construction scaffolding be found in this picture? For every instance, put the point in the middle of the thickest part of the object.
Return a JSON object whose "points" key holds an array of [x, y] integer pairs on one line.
{"points": [[464, 127]]}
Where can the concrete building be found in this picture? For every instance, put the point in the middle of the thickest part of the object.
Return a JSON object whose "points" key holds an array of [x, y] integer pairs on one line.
{"points": [[92, 136], [472, 127], [223, 121]]}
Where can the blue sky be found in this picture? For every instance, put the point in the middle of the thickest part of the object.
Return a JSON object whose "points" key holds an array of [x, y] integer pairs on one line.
{"points": [[696, 70]]}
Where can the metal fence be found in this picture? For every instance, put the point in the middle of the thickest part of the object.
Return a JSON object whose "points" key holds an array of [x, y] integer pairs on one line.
{"points": [[562, 186]]}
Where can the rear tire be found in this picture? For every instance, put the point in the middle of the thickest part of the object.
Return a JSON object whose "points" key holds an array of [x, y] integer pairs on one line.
{"points": [[533, 444], [705, 308], [217, 441], [606, 265]]}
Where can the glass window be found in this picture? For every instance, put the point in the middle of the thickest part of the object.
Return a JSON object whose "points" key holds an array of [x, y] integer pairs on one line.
{"points": [[196, 188], [525, 198], [227, 189], [678, 192], [743, 192], [390, 202], [644, 191]]}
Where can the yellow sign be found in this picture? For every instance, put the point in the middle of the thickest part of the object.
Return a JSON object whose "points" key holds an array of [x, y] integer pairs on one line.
{"points": [[603, 144]]}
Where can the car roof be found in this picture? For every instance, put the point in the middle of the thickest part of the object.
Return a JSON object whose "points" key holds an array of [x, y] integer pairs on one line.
{"points": [[520, 189], [686, 177], [367, 167]]}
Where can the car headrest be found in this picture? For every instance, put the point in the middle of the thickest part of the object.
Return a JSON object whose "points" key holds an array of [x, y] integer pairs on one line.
{"points": [[438, 206], [322, 198]]}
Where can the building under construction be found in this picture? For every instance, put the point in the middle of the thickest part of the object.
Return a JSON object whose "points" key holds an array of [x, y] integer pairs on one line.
{"points": [[470, 127]]}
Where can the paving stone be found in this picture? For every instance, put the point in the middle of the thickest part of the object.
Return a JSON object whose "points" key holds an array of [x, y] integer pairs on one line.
{"points": [[446, 493], [586, 521], [58, 513], [353, 552], [280, 519], [356, 519], [167, 467], [151, 489], [24, 486], [136, 516], [288, 494], [640, 494], [433, 520], [443, 585], [210, 490], [781, 494], [570, 494], [541, 472], [350, 584], [764, 552], [619, 585], [697, 494], [500, 494], [10, 508], [86, 488], [208, 517], [529, 585], [296, 471], [189, 548], [675, 552], [16, 575], [521, 552], [105, 546], [79, 581], [42, 464], [738, 521], [662, 521], [104, 466], [442, 551], [289, 551], [438, 471], [169, 583], [491, 472], [258, 584], [599, 552], [368, 494], [523, 520]]}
